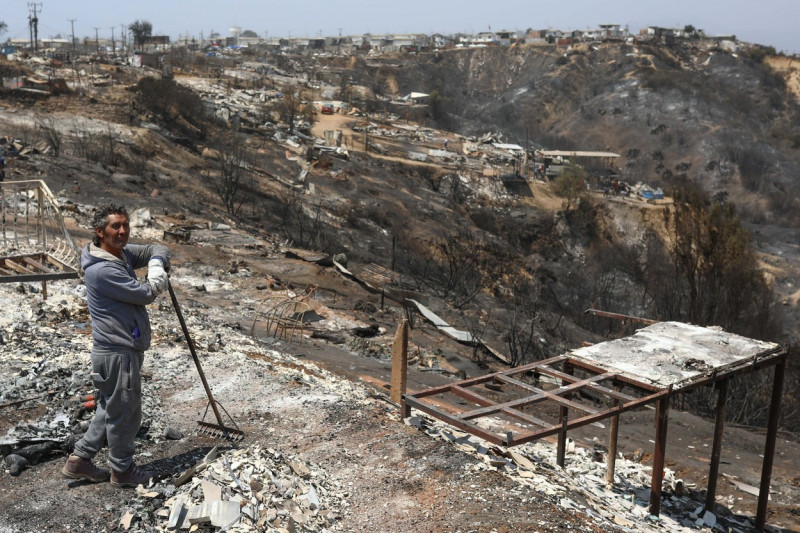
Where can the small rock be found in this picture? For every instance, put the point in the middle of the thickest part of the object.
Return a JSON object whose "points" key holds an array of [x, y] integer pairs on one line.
{"points": [[172, 433], [16, 464]]}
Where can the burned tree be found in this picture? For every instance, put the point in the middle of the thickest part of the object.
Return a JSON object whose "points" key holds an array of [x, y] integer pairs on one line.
{"points": [[232, 171], [522, 334], [463, 264], [141, 30]]}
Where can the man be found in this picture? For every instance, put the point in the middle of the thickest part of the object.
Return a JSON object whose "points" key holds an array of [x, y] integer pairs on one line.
{"points": [[121, 334]]}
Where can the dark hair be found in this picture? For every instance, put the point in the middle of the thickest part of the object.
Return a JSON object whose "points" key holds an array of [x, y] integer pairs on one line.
{"points": [[100, 220]]}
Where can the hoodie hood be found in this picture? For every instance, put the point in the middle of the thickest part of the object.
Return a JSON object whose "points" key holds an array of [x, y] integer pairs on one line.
{"points": [[92, 254]]}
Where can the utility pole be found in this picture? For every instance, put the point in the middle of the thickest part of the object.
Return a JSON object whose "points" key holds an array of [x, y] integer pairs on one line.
{"points": [[72, 24], [113, 42], [33, 23], [123, 37], [96, 40]]}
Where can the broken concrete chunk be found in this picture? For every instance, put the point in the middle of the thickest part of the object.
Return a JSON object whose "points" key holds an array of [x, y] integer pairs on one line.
{"points": [[709, 519], [311, 498], [199, 514], [224, 513], [177, 514], [125, 521], [211, 491]]}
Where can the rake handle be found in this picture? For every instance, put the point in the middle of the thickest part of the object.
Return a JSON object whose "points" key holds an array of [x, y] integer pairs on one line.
{"points": [[194, 354]]}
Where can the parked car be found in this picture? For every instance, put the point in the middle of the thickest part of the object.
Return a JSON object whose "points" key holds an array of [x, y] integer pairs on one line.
{"points": [[327, 109]]}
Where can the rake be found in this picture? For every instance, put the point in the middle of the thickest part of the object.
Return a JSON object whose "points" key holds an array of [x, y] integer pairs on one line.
{"points": [[218, 430]]}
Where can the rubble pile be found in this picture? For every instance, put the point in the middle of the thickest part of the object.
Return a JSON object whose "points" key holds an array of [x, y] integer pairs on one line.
{"points": [[257, 488], [245, 490], [623, 506], [46, 370]]}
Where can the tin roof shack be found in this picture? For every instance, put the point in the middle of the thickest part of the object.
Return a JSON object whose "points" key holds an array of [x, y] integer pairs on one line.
{"points": [[598, 164], [605, 380], [45, 86]]}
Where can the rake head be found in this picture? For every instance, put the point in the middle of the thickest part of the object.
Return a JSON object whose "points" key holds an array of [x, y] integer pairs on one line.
{"points": [[219, 432]]}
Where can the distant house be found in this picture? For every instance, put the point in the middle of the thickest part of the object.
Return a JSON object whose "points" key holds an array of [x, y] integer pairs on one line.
{"points": [[556, 36], [441, 41], [505, 37], [159, 42], [535, 37], [299, 43], [612, 31], [372, 42], [402, 41], [663, 33], [486, 38], [248, 38], [416, 98], [586, 35]]}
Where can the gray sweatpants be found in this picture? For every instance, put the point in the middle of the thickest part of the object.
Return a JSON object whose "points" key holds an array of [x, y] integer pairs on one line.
{"points": [[116, 374]]}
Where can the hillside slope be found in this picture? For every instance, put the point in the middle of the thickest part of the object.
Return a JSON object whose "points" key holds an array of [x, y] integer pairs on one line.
{"points": [[728, 121]]}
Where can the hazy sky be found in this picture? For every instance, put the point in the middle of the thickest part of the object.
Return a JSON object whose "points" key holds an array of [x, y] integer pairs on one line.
{"points": [[769, 22]]}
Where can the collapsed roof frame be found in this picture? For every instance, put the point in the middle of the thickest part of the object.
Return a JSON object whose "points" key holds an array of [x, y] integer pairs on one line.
{"points": [[34, 242], [607, 379]]}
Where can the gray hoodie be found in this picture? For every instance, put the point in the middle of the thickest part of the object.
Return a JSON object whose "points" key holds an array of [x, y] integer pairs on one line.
{"points": [[116, 298]]}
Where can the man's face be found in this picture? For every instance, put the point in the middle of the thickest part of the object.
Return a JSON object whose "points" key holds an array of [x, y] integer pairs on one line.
{"points": [[115, 235]]}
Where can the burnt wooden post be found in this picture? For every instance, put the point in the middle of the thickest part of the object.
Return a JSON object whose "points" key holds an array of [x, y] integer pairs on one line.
{"points": [[400, 363], [769, 448], [662, 418], [719, 425]]}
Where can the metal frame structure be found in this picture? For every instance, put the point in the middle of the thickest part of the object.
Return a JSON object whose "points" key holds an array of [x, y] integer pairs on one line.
{"points": [[526, 387], [603, 381], [287, 318], [34, 242]]}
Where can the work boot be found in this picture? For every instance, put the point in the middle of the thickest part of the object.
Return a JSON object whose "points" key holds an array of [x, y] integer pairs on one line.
{"points": [[80, 468], [132, 477]]}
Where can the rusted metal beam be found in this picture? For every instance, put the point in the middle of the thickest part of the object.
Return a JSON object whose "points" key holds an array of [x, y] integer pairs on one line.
{"points": [[620, 317], [21, 278], [584, 365], [762, 360], [466, 426], [611, 460], [659, 454], [769, 447], [585, 420], [527, 400], [716, 446]]}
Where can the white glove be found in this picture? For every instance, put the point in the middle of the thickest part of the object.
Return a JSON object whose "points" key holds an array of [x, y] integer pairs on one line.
{"points": [[157, 276]]}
